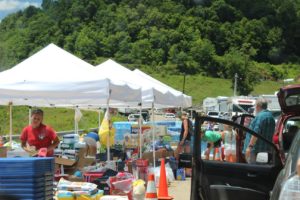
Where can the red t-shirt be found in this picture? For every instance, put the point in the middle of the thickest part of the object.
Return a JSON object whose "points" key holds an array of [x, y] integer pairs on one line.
{"points": [[39, 137]]}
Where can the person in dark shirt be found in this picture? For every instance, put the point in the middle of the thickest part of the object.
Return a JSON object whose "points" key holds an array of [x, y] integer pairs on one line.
{"points": [[185, 135]]}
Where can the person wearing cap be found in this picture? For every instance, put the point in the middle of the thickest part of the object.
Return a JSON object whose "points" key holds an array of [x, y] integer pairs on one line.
{"points": [[185, 135], [38, 136]]}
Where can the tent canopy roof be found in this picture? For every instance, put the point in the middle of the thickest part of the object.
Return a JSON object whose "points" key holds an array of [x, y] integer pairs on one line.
{"points": [[55, 76], [152, 92]]}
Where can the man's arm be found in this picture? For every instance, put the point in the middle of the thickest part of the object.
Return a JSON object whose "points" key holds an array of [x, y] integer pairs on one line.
{"points": [[252, 141]]}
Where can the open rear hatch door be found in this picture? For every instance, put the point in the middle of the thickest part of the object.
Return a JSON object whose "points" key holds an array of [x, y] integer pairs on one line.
{"points": [[289, 99], [217, 179]]}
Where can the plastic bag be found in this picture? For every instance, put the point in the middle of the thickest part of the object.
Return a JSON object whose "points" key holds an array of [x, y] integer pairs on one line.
{"points": [[139, 189], [156, 171]]}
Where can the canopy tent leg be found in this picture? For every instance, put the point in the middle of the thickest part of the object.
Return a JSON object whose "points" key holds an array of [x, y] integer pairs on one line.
{"points": [[29, 114], [75, 123], [140, 132], [99, 118], [153, 134], [108, 137], [10, 124]]}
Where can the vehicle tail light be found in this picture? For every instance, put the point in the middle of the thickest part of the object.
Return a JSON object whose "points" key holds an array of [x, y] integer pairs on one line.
{"points": [[291, 188]]}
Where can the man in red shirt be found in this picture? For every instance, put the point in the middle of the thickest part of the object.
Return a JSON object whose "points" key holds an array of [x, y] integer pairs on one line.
{"points": [[37, 135]]}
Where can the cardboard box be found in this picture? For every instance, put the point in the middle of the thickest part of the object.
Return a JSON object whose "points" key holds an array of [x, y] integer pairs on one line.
{"points": [[3, 152], [158, 154], [72, 165], [64, 161]]}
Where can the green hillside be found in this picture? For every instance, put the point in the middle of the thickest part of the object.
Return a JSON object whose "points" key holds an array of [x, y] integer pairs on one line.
{"points": [[197, 86], [200, 87]]}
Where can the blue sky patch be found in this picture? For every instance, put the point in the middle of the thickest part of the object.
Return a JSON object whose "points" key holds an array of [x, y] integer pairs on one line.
{"points": [[11, 6]]}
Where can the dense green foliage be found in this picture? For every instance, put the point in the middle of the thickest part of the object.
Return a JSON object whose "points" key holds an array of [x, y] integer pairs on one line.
{"points": [[258, 39]]}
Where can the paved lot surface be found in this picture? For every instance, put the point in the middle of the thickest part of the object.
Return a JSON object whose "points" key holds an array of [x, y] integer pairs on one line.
{"points": [[180, 190]]}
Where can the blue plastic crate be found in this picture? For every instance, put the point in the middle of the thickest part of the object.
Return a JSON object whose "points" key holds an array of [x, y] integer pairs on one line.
{"points": [[29, 174], [10, 196], [19, 184], [28, 193], [26, 165], [30, 178]]}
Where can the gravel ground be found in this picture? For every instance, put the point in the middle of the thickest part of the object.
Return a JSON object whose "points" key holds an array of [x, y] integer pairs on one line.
{"points": [[180, 190]]}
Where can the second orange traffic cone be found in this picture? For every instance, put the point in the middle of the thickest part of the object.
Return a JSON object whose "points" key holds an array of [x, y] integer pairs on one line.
{"points": [[163, 187], [218, 156], [151, 189]]}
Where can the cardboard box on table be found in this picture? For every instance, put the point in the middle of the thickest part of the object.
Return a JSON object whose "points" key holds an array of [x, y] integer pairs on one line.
{"points": [[72, 165], [158, 154], [3, 152]]}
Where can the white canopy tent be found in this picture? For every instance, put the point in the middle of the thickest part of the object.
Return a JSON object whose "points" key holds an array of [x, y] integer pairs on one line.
{"points": [[66, 94], [54, 77], [152, 93], [186, 101]]}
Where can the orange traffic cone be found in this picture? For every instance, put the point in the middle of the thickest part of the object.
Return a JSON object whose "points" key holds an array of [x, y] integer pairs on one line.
{"points": [[223, 152], [163, 187], [151, 189], [217, 153]]}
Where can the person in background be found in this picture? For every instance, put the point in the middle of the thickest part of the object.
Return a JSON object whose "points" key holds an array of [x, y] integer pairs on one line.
{"points": [[38, 135], [213, 139], [263, 124], [91, 139], [185, 136], [229, 139]]}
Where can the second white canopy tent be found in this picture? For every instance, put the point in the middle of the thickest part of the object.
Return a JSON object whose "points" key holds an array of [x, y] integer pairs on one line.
{"points": [[154, 94], [162, 96]]}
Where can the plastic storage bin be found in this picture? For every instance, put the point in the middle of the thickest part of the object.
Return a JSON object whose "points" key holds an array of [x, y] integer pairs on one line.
{"points": [[91, 176], [27, 178]]}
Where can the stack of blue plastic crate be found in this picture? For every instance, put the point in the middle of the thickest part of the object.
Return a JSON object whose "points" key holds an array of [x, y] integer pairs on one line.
{"points": [[27, 178]]}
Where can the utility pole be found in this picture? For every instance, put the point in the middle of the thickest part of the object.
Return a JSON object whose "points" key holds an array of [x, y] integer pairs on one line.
{"points": [[235, 84], [183, 87]]}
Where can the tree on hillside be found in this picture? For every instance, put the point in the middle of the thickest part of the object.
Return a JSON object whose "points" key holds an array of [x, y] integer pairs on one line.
{"points": [[192, 37]]}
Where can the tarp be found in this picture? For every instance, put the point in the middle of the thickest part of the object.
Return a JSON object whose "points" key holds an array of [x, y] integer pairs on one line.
{"points": [[54, 76], [152, 92]]}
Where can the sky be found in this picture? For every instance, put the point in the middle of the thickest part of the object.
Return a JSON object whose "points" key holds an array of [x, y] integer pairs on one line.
{"points": [[11, 6]]}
